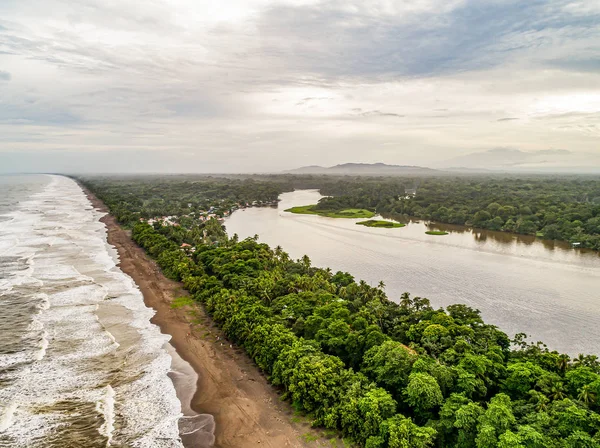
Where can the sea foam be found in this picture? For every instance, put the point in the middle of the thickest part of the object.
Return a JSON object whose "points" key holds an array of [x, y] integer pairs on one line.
{"points": [[106, 407], [86, 344]]}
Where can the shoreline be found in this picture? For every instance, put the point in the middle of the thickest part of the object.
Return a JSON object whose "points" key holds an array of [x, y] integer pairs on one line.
{"points": [[247, 410]]}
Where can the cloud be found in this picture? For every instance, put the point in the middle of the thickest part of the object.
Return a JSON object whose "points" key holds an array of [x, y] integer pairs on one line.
{"points": [[263, 85], [305, 101], [337, 39], [376, 113], [577, 64], [5, 76], [515, 159]]}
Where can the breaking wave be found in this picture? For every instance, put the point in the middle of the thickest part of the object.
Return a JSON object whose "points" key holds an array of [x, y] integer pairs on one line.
{"points": [[80, 362]]}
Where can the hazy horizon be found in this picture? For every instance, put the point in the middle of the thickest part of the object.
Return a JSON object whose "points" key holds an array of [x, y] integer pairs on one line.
{"points": [[266, 86]]}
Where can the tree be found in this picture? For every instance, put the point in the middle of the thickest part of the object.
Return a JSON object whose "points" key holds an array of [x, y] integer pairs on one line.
{"points": [[458, 421], [423, 392], [526, 226], [316, 382], [266, 342], [521, 378], [401, 432], [496, 223], [587, 395], [481, 218], [389, 364], [579, 377], [362, 409], [497, 419]]}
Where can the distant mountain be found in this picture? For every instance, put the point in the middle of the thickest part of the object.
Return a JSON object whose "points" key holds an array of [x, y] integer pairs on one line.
{"points": [[311, 169], [363, 169], [515, 160], [463, 169]]}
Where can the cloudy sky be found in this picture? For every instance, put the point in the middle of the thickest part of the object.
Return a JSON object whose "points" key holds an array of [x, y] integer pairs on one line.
{"points": [[257, 85]]}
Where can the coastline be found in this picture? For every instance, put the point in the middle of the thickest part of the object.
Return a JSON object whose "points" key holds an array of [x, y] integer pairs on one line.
{"points": [[246, 409]]}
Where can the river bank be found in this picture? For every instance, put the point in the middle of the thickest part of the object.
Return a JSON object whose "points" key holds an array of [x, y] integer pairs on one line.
{"points": [[247, 411], [519, 283]]}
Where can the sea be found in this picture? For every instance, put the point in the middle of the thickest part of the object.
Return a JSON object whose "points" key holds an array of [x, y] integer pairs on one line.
{"points": [[80, 363]]}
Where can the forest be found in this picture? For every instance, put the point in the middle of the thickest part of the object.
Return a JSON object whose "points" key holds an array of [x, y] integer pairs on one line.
{"points": [[565, 208], [383, 374], [146, 196]]}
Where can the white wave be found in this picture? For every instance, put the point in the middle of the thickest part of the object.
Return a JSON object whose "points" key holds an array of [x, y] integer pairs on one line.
{"points": [[35, 326], [43, 347], [106, 406], [44, 302], [71, 270], [108, 333], [6, 419]]}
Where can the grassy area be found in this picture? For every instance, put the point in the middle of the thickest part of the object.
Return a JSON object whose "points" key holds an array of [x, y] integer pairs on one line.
{"points": [[379, 223], [348, 213], [436, 232], [180, 302]]}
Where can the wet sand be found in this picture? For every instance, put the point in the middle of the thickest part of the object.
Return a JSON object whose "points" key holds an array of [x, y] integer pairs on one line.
{"points": [[247, 410]]}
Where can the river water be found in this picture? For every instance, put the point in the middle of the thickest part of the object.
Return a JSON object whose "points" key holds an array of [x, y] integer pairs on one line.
{"points": [[80, 363], [549, 291]]}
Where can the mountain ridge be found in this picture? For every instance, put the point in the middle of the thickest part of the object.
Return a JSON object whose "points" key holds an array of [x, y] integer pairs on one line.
{"points": [[362, 169]]}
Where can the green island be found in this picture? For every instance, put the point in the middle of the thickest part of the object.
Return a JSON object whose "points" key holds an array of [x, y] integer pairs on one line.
{"points": [[436, 232], [382, 374], [380, 223], [343, 213]]}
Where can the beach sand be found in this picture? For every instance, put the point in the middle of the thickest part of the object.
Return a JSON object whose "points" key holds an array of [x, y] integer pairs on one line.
{"points": [[247, 410]]}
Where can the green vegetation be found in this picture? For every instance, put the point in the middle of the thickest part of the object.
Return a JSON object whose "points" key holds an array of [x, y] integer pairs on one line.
{"points": [[380, 223], [436, 232], [308, 437], [563, 208], [383, 374], [554, 207], [344, 213], [181, 302], [184, 199]]}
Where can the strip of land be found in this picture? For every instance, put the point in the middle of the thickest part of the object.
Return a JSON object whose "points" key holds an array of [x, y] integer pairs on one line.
{"points": [[380, 223], [246, 408], [347, 213], [436, 232]]}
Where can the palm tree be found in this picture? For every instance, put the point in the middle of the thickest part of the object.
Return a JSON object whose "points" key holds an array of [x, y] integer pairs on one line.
{"points": [[343, 292], [591, 361], [556, 393], [563, 362], [542, 404], [579, 361], [305, 262], [586, 395]]}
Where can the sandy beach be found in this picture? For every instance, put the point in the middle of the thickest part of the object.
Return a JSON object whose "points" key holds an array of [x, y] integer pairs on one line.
{"points": [[247, 410]]}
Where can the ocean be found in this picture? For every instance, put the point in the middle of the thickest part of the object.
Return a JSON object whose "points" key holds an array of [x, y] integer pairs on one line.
{"points": [[80, 363]]}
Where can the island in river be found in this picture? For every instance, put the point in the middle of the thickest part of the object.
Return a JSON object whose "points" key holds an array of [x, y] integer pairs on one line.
{"points": [[345, 213], [380, 223]]}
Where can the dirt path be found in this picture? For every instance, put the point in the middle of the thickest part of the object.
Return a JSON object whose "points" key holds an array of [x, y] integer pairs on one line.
{"points": [[247, 409]]}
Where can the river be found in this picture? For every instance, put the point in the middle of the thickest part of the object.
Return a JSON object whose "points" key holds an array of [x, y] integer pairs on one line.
{"points": [[521, 284]]}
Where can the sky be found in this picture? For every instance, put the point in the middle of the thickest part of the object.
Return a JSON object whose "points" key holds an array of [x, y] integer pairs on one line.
{"points": [[264, 85]]}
